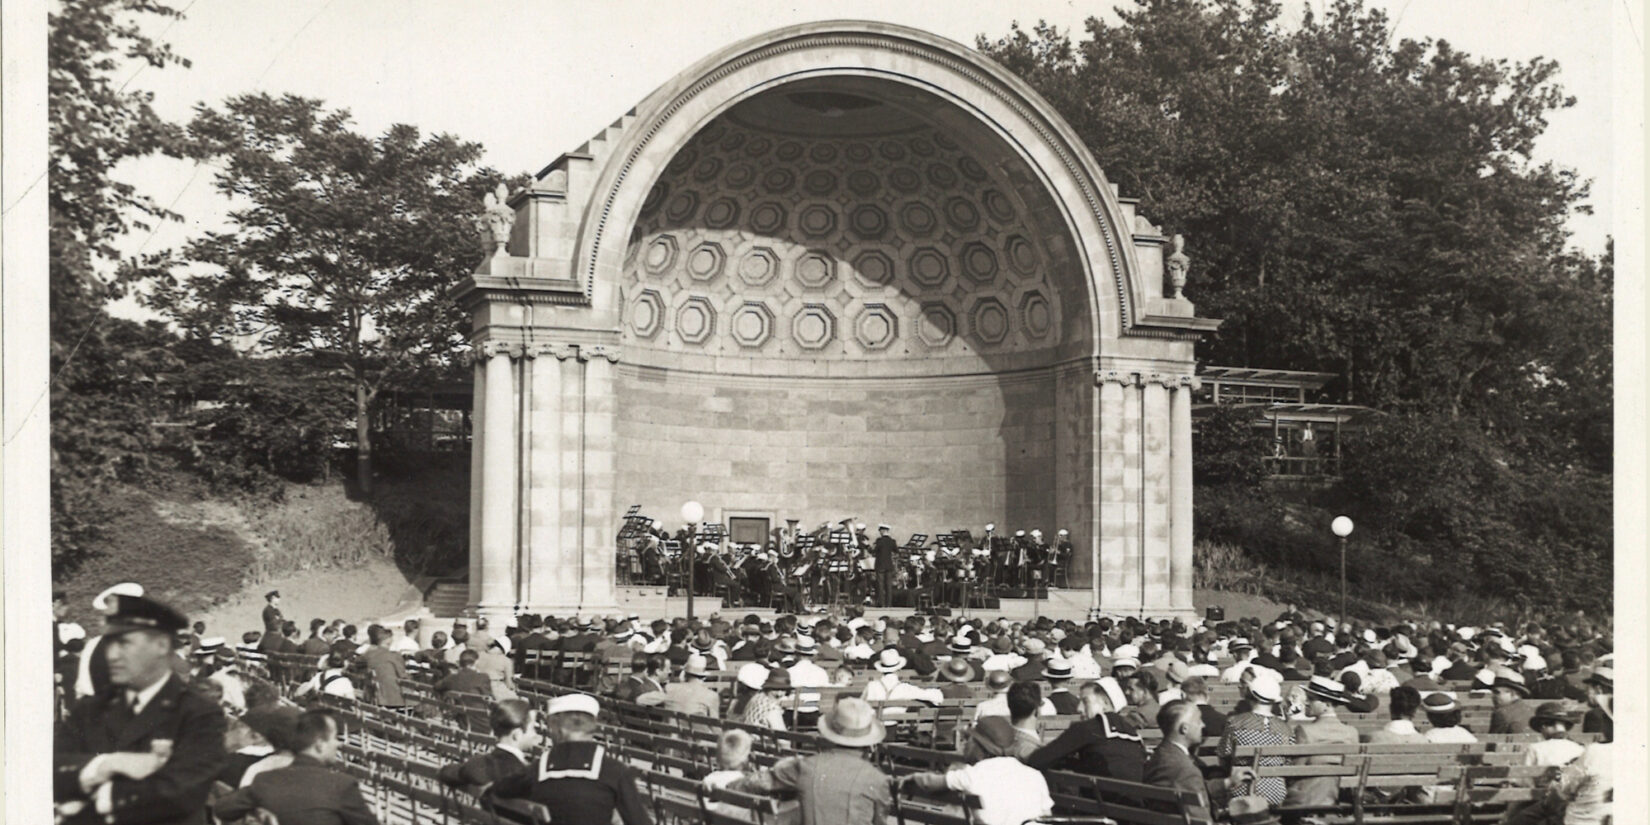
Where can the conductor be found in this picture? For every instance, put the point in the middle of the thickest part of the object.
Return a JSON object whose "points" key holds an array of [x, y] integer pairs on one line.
{"points": [[884, 550]]}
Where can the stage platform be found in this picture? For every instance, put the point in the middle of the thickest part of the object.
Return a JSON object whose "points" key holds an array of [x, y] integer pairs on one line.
{"points": [[444, 602], [649, 602]]}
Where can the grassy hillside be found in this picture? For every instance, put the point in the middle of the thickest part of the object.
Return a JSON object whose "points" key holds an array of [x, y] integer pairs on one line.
{"points": [[198, 551]]}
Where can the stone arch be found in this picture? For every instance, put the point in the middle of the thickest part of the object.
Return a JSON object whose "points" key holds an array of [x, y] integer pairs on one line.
{"points": [[986, 93], [1081, 361]]}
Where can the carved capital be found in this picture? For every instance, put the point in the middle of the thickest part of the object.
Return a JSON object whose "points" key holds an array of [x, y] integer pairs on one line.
{"points": [[594, 351], [1190, 382], [510, 349], [1127, 379], [1161, 379], [560, 352]]}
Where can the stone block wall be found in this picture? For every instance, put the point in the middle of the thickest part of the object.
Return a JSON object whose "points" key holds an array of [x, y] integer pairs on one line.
{"points": [[921, 454]]}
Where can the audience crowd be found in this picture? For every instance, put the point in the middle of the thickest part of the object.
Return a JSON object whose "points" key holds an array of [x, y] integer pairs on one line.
{"points": [[156, 713]]}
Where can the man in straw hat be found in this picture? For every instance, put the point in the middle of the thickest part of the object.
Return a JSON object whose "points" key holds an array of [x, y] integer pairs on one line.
{"points": [[838, 785], [146, 747], [1324, 696], [575, 778], [888, 686]]}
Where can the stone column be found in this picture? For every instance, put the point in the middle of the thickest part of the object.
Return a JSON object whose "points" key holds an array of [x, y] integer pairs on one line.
{"points": [[598, 549], [478, 419], [498, 483], [553, 565], [1180, 509], [1155, 494], [1118, 483]]}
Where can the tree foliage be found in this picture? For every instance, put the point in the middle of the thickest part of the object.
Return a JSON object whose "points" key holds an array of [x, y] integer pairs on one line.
{"points": [[341, 246], [1371, 207], [103, 391], [1227, 448]]}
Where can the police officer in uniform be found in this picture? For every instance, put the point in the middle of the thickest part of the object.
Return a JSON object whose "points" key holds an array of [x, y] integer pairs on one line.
{"points": [[273, 617], [146, 747]]}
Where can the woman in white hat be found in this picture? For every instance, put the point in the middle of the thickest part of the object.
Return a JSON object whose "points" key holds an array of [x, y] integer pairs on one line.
{"points": [[1259, 725]]}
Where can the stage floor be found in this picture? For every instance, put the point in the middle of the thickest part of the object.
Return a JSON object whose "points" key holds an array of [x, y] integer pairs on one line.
{"points": [[649, 602]]}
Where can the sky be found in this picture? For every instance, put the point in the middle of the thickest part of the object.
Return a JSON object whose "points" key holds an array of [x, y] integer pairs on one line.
{"points": [[530, 80]]}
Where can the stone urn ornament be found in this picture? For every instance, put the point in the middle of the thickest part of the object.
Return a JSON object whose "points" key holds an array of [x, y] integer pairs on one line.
{"points": [[496, 219], [1178, 264]]}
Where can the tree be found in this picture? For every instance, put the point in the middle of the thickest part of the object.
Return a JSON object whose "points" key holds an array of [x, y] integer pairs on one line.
{"points": [[103, 396], [1352, 205], [341, 248], [1370, 206]]}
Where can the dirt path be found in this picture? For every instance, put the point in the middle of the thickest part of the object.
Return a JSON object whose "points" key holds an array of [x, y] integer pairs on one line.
{"points": [[364, 594]]}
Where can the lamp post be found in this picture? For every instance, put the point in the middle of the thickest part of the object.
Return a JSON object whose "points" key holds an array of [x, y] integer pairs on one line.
{"points": [[1342, 527], [692, 513]]}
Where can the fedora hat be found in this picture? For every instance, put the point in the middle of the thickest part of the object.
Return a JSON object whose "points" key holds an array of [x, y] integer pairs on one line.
{"points": [[998, 679], [1056, 670], [1250, 810], [956, 669], [778, 679], [851, 723], [890, 660], [695, 665], [1564, 712]]}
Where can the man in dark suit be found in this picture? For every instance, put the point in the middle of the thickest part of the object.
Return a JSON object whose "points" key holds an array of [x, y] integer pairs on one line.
{"points": [[516, 726], [466, 679], [315, 645], [1174, 764], [883, 551], [307, 792], [1196, 691], [146, 747]]}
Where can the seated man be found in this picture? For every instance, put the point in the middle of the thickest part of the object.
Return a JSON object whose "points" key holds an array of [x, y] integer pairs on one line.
{"points": [[308, 790], [466, 679], [1010, 793], [838, 784], [1174, 764], [575, 779], [1103, 744], [516, 726]]}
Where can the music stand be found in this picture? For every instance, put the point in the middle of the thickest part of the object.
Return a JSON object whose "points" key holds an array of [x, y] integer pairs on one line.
{"points": [[917, 541]]}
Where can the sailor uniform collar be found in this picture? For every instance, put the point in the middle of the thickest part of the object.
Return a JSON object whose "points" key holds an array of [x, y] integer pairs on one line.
{"points": [[572, 760]]}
